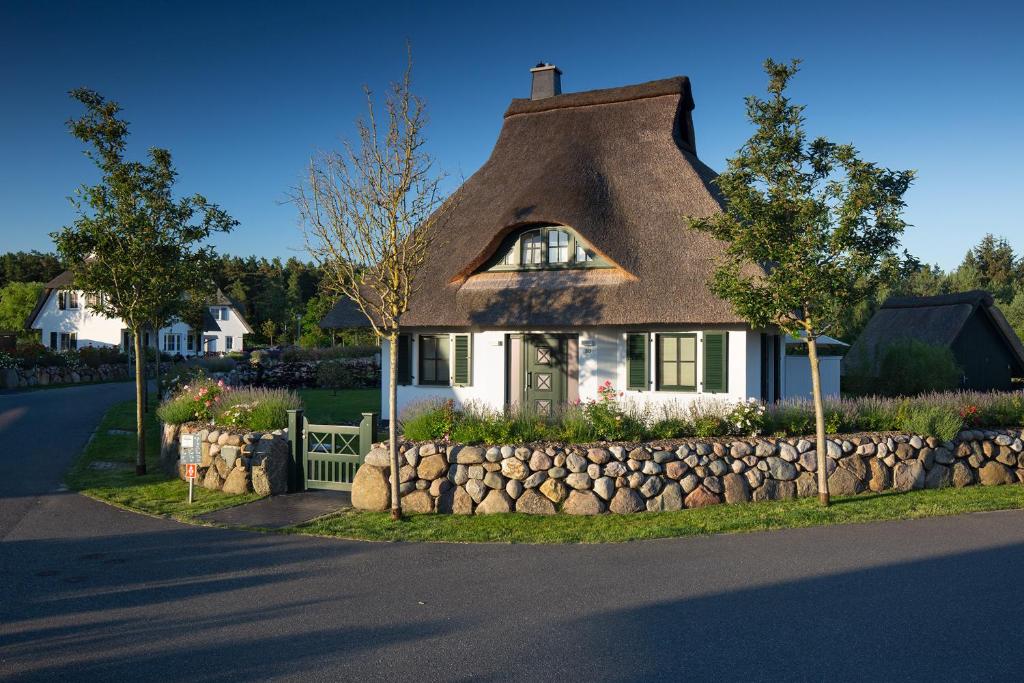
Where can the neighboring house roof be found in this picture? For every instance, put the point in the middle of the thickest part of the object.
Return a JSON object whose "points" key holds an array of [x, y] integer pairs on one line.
{"points": [[66, 281], [345, 315], [935, 320], [618, 166]]}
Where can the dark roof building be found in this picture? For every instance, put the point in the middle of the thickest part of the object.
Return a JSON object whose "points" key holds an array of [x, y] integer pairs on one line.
{"points": [[969, 324]]}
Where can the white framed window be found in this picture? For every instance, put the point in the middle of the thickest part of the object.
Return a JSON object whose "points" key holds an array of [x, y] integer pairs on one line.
{"points": [[533, 248], [229, 343], [172, 342], [224, 314], [558, 246], [68, 341]]}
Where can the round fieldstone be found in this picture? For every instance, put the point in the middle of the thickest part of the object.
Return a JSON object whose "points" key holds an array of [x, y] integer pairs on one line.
{"points": [[598, 456], [514, 489], [514, 468], [626, 501], [962, 475], [476, 489], [604, 487], [370, 489], [735, 488], [908, 475], [843, 482], [780, 469], [995, 474], [578, 480], [554, 490], [496, 502], [576, 463], [468, 455], [533, 503], [432, 467], [493, 480], [540, 460], [583, 503], [417, 503], [700, 497], [535, 480]]}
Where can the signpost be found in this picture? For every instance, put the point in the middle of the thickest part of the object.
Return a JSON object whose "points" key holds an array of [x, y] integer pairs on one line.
{"points": [[190, 450]]}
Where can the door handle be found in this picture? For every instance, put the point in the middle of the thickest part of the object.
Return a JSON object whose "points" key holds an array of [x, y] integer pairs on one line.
{"points": [[529, 380]]}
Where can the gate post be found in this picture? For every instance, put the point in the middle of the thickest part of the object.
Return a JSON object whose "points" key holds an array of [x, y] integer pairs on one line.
{"points": [[367, 433], [296, 443]]}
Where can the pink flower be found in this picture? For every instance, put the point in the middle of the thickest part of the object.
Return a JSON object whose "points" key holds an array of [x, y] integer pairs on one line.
{"points": [[220, 383], [202, 392]]}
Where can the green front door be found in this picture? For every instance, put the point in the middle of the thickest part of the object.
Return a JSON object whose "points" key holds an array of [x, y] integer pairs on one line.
{"points": [[546, 367]]}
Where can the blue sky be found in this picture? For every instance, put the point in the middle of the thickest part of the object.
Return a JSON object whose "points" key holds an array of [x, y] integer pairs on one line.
{"points": [[242, 93]]}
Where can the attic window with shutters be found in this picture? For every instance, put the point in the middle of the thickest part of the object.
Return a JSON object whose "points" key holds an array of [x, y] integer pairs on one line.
{"points": [[551, 247]]}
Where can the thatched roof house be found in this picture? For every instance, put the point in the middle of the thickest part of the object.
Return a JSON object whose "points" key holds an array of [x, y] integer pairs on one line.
{"points": [[571, 239], [968, 323]]}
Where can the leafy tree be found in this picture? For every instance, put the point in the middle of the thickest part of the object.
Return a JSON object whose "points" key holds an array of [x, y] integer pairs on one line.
{"points": [[367, 213], [131, 241], [991, 265], [28, 266], [17, 299], [1014, 313], [810, 229], [312, 334], [269, 329]]}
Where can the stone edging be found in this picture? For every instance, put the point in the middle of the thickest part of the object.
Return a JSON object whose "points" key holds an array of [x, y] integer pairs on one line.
{"points": [[233, 461], [435, 477]]}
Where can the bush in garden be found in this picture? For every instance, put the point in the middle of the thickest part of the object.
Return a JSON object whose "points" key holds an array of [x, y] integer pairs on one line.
{"points": [[95, 356], [256, 409], [909, 367], [194, 402], [939, 421], [747, 418]]}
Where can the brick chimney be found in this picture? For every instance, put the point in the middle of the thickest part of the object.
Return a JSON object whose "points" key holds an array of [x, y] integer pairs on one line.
{"points": [[547, 81]]}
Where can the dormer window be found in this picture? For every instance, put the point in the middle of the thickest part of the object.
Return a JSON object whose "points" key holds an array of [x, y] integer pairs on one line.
{"points": [[547, 247]]}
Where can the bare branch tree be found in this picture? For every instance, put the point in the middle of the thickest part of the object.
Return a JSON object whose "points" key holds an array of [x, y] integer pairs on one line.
{"points": [[368, 214]]}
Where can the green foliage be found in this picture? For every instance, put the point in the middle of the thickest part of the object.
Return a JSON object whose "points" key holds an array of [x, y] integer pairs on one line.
{"points": [[194, 402], [909, 367], [17, 299], [429, 420], [352, 373], [28, 266], [670, 428], [941, 422], [295, 354], [827, 222], [256, 409]]}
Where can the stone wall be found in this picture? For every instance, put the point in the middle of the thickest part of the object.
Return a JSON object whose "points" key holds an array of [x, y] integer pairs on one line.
{"points": [[13, 378], [584, 480], [234, 461]]}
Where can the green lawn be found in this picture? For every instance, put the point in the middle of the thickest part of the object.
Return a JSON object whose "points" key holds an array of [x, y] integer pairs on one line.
{"points": [[511, 528], [155, 493], [324, 406]]}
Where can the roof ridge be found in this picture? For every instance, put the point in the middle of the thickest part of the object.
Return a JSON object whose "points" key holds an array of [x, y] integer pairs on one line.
{"points": [[973, 297], [676, 85]]}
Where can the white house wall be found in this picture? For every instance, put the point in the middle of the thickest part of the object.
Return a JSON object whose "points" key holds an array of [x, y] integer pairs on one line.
{"points": [[92, 329], [798, 376], [602, 357]]}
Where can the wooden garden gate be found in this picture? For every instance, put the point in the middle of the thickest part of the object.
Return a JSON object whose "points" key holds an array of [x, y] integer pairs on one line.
{"points": [[327, 456]]}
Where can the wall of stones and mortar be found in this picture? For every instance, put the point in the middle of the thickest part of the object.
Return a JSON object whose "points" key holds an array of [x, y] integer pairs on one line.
{"points": [[585, 480], [13, 378], [234, 461]]}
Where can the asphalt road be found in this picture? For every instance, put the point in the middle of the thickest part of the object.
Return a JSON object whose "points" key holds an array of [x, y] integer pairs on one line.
{"points": [[91, 592]]}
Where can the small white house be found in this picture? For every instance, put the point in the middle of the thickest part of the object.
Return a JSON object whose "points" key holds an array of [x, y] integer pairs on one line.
{"points": [[66, 321], [565, 263]]}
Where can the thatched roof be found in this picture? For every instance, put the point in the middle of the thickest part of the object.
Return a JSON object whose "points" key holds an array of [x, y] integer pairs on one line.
{"points": [[619, 167], [934, 320], [344, 316]]}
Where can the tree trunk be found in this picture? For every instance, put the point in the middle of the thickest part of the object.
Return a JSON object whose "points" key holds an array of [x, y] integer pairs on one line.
{"points": [[156, 368], [819, 421], [140, 399], [396, 503]]}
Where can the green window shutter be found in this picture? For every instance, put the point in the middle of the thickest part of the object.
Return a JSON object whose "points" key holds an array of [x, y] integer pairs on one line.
{"points": [[463, 375], [636, 362], [404, 360], [716, 362]]}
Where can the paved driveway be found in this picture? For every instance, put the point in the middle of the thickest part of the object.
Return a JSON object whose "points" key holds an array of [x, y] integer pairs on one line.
{"points": [[90, 592]]}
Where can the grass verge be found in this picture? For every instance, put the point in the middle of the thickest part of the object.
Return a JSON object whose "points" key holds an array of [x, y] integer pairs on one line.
{"points": [[511, 528], [324, 406], [155, 493]]}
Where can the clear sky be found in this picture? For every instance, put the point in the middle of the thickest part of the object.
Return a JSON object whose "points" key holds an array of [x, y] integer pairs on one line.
{"points": [[242, 93]]}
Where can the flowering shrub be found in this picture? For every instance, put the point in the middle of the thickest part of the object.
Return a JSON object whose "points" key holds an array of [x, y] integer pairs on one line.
{"points": [[214, 402], [193, 402], [7, 360], [608, 419], [747, 417], [970, 415]]}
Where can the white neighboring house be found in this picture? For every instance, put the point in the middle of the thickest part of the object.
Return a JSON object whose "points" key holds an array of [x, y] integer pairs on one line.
{"points": [[64, 318], [566, 264]]}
